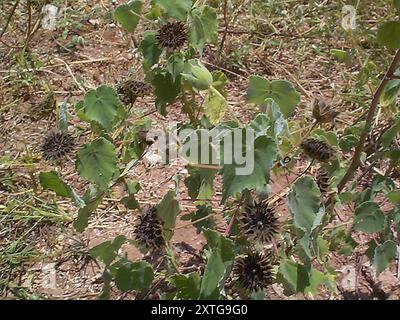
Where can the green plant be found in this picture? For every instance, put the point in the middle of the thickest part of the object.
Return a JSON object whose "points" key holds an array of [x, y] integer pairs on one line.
{"points": [[295, 253]]}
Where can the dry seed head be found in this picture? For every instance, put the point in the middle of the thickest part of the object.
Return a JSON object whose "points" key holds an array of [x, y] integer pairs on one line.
{"points": [[318, 150], [324, 112], [129, 90], [323, 180], [172, 36], [258, 222], [254, 271], [57, 145], [148, 231]]}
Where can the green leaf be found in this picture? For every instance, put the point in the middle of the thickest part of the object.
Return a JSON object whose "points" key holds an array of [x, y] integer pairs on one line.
{"points": [[51, 181], [108, 250], [369, 218], [220, 80], [200, 183], [391, 133], [391, 92], [265, 153], [261, 124], [124, 16], [389, 34], [133, 275], [102, 105], [215, 106], [176, 65], [384, 254], [339, 55], [293, 276], [177, 9], [168, 210], [304, 201], [166, 89], [281, 91], [84, 213], [204, 27], [348, 142], [187, 285], [342, 242], [201, 213], [220, 256], [150, 49], [130, 201], [394, 196], [97, 162]]}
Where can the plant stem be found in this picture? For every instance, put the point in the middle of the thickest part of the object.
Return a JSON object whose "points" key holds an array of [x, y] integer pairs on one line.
{"points": [[229, 228], [221, 46], [369, 120]]}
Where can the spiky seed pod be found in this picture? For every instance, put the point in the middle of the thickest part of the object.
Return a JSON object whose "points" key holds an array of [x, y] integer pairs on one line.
{"points": [[318, 150], [57, 145], [258, 222], [324, 112], [148, 230], [323, 180], [129, 90], [172, 36], [254, 271]]}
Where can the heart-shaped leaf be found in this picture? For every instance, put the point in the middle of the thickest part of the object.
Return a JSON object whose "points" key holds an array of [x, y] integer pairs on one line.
{"points": [[97, 162], [133, 275], [177, 9], [384, 254], [102, 105], [281, 91], [126, 17], [265, 153], [369, 218]]}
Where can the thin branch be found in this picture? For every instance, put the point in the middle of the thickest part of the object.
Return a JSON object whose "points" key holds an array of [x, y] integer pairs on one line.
{"points": [[369, 120], [233, 218], [9, 18], [221, 46]]}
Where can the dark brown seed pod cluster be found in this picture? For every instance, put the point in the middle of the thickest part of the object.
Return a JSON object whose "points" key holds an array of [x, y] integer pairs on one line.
{"points": [[253, 271], [172, 36], [323, 180], [318, 150], [57, 145], [324, 112], [148, 231], [129, 90], [258, 222]]}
